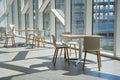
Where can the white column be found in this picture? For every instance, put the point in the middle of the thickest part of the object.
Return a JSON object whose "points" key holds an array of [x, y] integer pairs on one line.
{"points": [[40, 19], [31, 14], [67, 15], [10, 16], [52, 17], [22, 17], [16, 14], [23, 23], [88, 17], [117, 29]]}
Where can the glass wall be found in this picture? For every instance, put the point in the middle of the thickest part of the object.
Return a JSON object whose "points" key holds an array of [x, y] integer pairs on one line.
{"points": [[78, 13], [59, 27], [19, 13], [27, 20], [103, 22], [2, 15], [60, 4], [25, 2], [103, 19], [13, 11], [35, 14], [46, 22]]}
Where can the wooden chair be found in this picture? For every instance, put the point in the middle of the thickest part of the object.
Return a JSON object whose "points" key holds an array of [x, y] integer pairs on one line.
{"points": [[68, 41], [92, 44], [10, 35], [31, 36], [57, 47], [40, 37]]}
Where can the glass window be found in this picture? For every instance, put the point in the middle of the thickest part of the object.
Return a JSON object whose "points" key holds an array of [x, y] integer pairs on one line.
{"points": [[13, 10], [46, 22], [111, 6], [25, 1], [19, 13], [105, 0], [2, 16], [101, 6], [103, 24], [59, 27], [27, 20], [78, 11], [101, 0], [35, 14], [60, 4]]}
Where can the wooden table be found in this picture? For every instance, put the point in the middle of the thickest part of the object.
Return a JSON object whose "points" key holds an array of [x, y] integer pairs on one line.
{"points": [[80, 37]]}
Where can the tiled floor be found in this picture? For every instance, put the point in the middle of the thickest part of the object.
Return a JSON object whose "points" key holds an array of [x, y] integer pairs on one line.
{"points": [[25, 63]]}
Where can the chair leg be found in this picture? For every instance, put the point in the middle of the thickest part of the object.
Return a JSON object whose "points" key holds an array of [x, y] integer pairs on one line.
{"points": [[33, 41], [98, 61], [5, 44], [38, 41], [75, 51], [55, 56], [67, 55], [84, 60], [70, 49], [43, 41], [14, 42]]}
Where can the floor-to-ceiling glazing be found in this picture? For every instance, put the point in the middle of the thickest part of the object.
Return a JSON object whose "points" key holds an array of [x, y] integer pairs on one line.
{"points": [[103, 22]]}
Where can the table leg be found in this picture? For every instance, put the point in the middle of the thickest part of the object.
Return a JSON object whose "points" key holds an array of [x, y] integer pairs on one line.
{"points": [[80, 52]]}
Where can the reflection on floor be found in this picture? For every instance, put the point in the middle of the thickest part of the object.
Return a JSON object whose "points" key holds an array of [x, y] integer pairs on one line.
{"points": [[24, 63]]}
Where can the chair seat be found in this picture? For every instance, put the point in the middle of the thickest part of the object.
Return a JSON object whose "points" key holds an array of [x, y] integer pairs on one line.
{"points": [[62, 46], [71, 43], [92, 50], [9, 36]]}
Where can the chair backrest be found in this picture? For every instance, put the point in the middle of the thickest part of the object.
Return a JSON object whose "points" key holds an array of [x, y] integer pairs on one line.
{"points": [[66, 39], [91, 43], [54, 40], [12, 28]]}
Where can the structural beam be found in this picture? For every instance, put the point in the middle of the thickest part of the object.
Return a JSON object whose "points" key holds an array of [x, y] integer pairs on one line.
{"points": [[58, 16], [25, 8], [42, 8], [117, 29]]}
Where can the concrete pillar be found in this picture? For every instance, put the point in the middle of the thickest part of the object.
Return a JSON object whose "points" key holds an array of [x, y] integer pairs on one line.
{"points": [[68, 15], [88, 17], [117, 29]]}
